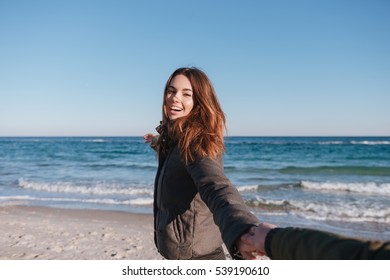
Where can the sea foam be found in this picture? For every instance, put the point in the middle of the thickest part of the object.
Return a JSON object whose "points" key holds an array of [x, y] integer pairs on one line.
{"points": [[95, 189], [363, 188]]}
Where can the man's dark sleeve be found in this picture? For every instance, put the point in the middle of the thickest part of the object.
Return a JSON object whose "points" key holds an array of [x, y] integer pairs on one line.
{"points": [[307, 244]]}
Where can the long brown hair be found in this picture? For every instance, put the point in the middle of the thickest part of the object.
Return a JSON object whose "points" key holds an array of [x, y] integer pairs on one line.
{"points": [[200, 133]]}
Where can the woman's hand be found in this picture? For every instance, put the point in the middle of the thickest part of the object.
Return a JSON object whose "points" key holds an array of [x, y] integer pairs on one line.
{"points": [[148, 138]]}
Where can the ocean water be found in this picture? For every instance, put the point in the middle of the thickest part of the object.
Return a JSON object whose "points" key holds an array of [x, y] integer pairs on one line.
{"points": [[339, 184]]}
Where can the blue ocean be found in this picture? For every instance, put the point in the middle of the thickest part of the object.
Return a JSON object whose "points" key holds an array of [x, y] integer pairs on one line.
{"points": [[339, 184]]}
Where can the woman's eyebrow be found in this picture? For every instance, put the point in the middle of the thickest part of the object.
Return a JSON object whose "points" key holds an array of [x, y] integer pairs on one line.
{"points": [[184, 89]]}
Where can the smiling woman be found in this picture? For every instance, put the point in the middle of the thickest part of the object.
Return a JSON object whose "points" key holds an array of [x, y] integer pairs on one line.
{"points": [[196, 208]]}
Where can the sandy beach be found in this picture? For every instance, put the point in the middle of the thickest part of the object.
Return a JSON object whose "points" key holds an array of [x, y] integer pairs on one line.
{"points": [[62, 234]]}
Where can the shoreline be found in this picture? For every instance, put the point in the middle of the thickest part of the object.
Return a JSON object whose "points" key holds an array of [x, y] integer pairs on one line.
{"points": [[46, 233]]}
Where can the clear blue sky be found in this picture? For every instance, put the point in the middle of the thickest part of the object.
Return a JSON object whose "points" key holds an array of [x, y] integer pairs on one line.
{"points": [[98, 68]]}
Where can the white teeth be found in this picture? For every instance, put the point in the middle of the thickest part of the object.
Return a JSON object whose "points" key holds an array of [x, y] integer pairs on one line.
{"points": [[176, 108]]}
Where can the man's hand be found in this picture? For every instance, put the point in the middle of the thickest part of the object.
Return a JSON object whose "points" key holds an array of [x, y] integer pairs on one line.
{"points": [[252, 242]]}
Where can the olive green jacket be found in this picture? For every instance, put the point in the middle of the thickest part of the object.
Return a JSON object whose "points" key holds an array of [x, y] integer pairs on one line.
{"points": [[307, 244], [194, 206]]}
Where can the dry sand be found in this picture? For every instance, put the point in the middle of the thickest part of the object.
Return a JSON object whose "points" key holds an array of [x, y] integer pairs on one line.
{"points": [[50, 233]]}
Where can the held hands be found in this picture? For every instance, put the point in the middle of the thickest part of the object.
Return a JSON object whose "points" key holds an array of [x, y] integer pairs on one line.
{"points": [[251, 244]]}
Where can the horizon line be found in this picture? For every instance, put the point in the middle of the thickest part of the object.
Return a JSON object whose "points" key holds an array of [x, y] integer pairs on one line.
{"points": [[226, 136]]}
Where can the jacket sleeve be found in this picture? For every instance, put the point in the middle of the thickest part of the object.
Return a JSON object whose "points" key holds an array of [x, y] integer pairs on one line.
{"points": [[230, 213], [307, 244]]}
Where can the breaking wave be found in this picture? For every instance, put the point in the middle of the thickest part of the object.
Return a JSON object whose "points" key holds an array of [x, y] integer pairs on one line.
{"points": [[364, 188], [95, 189]]}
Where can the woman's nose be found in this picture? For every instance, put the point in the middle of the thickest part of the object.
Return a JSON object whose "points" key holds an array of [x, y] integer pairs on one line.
{"points": [[176, 98]]}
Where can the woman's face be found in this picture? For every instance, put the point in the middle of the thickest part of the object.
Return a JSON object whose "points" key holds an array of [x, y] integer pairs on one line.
{"points": [[179, 99]]}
